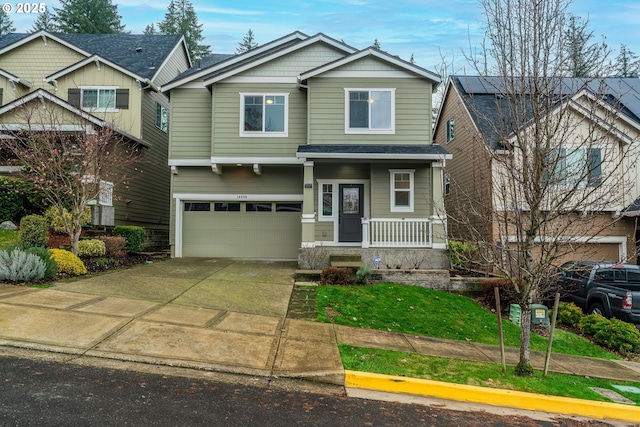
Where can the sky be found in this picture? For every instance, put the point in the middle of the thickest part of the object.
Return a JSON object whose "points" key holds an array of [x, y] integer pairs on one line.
{"points": [[426, 29]]}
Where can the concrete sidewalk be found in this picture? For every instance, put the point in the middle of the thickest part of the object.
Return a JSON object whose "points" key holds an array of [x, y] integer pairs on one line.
{"points": [[224, 316]]}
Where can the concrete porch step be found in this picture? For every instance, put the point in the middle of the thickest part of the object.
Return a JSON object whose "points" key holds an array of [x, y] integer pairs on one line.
{"points": [[347, 264]]}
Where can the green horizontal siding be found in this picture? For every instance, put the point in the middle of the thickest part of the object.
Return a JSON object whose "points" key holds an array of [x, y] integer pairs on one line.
{"points": [[412, 110], [381, 191], [190, 125]]}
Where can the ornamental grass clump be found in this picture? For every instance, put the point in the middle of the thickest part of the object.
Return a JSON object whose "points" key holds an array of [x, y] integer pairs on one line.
{"points": [[68, 263], [17, 265]]}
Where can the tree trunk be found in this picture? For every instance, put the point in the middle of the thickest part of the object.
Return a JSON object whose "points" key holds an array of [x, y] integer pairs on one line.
{"points": [[524, 367]]}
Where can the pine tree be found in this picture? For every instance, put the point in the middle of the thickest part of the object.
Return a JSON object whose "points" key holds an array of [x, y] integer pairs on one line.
{"points": [[181, 18], [88, 17], [6, 24], [248, 42], [45, 21], [581, 55], [627, 63], [150, 30]]}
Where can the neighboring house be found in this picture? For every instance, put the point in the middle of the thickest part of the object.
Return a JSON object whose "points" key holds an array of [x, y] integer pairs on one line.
{"points": [[305, 142], [468, 126], [95, 80]]}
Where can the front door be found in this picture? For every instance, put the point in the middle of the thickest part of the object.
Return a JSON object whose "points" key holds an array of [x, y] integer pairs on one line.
{"points": [[351, 212]]}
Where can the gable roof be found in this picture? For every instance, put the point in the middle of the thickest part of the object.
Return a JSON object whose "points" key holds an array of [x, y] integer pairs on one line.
{"points": [[41, 94], [484, 101], [408, 66], [238, 63], [140, 54]]}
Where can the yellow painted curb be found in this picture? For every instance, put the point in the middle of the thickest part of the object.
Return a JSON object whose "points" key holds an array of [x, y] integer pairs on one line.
{"points": [[492, 396]]}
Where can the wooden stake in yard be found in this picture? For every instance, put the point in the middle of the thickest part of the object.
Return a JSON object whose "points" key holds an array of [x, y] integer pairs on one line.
{"points": [[499, 311], [547, 358]]}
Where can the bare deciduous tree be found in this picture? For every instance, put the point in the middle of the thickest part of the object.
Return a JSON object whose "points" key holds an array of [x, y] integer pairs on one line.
{"points": [[70, 160], [556, 166]]}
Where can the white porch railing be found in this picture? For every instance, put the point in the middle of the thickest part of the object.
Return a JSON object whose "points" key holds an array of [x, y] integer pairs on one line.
{"points": [[396, 233]]}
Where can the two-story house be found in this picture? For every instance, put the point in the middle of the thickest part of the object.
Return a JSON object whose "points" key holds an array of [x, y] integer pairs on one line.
{"points": [[89, 81], [473, 126], [302, 142]]}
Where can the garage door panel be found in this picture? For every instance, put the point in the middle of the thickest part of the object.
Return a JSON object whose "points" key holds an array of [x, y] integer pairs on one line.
{"points": [[241, 234]]}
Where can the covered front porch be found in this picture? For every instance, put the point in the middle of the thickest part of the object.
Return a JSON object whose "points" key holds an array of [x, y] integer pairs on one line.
{"points": [[366, 199]]}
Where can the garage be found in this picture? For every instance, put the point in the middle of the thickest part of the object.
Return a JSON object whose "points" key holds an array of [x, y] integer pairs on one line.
{"points": [[241, 229]]}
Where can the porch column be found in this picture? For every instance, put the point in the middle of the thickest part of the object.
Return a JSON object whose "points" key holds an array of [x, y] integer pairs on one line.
{"points": [[438, 215], [308, 208]]}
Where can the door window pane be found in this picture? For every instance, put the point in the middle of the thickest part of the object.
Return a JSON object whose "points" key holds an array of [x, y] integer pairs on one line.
{"points": [[350, 201]]}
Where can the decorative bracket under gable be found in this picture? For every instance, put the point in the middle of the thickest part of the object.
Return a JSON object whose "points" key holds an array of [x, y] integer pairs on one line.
{"points": [[217, 169], [44, 39], [174, 170], [97, 63], [257, 169]]}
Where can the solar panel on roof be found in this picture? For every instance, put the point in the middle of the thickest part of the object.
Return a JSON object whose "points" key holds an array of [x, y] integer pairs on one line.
{"points": [[473, 85]]}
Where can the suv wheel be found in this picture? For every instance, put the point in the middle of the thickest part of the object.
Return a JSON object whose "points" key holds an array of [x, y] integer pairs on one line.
{"points": [[596, 308]]}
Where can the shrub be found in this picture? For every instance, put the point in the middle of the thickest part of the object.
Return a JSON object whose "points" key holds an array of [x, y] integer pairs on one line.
{"points": [[312, 258], [133, 235], [336, 276], [19, 198], [569, 314], [91, 248], [17, 265], [68, 263], [508, 294], [615, 334], [115, 246], [50, 265], [33, 231], [363, 273], [55, 222], [460, 252]]}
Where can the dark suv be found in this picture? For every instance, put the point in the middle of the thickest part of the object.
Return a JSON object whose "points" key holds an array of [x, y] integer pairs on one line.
{"points": [[606, 288]]}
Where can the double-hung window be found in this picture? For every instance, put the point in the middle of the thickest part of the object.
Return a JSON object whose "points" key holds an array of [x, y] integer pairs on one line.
{"points": [[264, 114], [100, 99], [402, 190], [451, 129], [577, 166], [370, 111]]}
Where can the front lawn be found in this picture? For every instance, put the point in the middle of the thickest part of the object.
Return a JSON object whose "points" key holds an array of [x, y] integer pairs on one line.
{"points": [[421, 311], [8, 238]]}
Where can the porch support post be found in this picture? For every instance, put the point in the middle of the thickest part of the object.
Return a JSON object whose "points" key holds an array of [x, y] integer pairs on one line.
{"points": [[308, 208], [438, 215]]}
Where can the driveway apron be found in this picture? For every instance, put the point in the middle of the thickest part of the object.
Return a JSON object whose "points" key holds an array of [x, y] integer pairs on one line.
{"points": [[216, 314]]}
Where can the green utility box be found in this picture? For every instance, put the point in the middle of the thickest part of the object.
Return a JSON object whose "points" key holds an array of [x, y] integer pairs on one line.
{"points": [[539, 314]]}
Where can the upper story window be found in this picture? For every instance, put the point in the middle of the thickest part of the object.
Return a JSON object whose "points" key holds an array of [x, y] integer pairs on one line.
{"points": [[402, 190], [162, 118], [370, 111], [264, 114], [447, 184], [579, 166], [99, 98], [450, 129]]}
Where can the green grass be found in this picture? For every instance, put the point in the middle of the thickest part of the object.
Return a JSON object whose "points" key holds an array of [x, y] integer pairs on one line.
{"points": [[421, 311], [475, 373], [8, 238]]}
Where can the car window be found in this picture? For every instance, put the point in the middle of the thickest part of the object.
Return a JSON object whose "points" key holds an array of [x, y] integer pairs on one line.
{"points": [[604, 275], [633, 276]]}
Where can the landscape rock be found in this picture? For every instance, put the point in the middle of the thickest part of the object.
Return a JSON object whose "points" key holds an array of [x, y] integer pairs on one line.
{"points": [[8, 225]]}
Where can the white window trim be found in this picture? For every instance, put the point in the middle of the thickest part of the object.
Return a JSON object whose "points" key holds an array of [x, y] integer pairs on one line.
{"points": [[347, 118], [392, 173], [264, 134], [334, 203], [162, 107], [447, 184], [98, 110]]}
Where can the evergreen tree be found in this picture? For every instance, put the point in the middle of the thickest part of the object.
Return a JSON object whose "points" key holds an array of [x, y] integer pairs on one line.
{"points": [[581, 55], [88, 17], [627, 63], [248, 42], [6, 24], [150, 30], [181, 19], [45, 21]]}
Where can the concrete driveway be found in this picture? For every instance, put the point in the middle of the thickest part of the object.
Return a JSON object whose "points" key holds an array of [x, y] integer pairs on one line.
{"points": [[215, 314]]}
